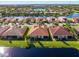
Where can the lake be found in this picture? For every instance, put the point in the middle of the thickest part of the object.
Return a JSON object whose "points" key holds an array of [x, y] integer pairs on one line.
{"points": [[38, 52]]}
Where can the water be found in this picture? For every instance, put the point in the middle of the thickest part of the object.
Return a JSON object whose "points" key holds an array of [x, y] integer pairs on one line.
{"points": [[38, 52]]}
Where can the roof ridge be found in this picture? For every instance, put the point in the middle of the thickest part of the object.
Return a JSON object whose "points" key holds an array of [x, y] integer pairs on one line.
{"points": [[32, 29], [4, 30], [8, 29], [36, 29], [63, 29], [56, 30]]}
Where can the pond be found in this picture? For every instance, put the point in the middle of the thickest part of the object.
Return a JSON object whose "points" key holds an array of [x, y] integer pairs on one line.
{"points": [[38, 52]]}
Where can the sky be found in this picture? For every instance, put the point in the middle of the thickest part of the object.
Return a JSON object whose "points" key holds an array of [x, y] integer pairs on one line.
{"points": [[39, 2]]}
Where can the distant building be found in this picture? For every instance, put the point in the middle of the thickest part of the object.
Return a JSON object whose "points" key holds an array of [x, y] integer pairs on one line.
{"points": [[39, 9], [51, 19], [61, 19], [75, 20]]}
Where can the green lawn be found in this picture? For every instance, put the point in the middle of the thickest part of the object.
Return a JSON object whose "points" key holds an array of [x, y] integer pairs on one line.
{"points": [[57, 44], [17, 43], [74, 44], [50, 44], [42, 44]]}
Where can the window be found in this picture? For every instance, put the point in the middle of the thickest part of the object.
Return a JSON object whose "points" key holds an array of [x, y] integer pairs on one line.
{"points": [[41, 37], [55, 36], [11, 37]]}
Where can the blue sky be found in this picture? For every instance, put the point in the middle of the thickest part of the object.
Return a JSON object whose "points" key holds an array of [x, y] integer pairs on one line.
{"points": [[39, 2]]}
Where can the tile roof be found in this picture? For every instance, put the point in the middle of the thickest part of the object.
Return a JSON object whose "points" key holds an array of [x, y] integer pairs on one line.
{"points": [[59, 30], [14, 31], [39, 31], [3, 29]]}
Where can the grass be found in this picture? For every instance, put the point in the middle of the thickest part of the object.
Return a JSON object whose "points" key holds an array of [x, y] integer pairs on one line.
{"points": [[51, 44], [74, 44], [42, 44], [22, 44], [30, 29], [57, 44]]}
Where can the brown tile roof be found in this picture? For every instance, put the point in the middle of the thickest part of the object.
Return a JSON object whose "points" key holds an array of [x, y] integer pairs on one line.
{"points": [[2, 19], [13, 20], [59, 30], [14, 31], [3, 29], [39, 31]]}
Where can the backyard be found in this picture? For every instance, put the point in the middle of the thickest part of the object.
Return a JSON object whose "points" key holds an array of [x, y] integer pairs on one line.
{"points": [[57, 44], [14, 43], [54, 44], [41, 44]]}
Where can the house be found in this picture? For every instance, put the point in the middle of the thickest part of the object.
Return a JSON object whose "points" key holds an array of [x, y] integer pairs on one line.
{"points": [[32, 19], [2, 19], [8, 19], [20, 19], [51, 19], [29, 19], [3, 29], [13, 20], [39, 32], [60, 33], [61, 19], [75, 20], [40, 19], [14, 33]]}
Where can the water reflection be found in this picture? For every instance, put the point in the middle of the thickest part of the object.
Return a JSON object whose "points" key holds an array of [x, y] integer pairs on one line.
{"points": [[38, 52], [3, 52]]}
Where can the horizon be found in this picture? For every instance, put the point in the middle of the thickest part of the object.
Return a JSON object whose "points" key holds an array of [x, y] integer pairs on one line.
{"points": [[36, 2]]}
